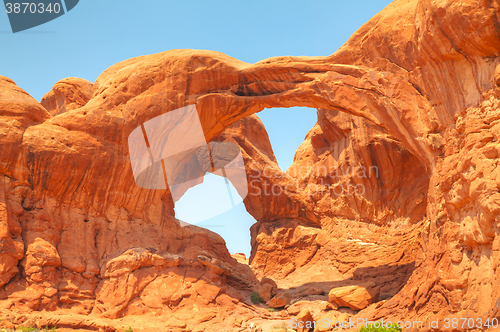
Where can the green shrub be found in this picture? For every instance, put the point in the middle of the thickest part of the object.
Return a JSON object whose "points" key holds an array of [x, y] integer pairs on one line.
{"points": [[46, 329], [129, 329], [27, 329], [368, 328], [255, 298]]}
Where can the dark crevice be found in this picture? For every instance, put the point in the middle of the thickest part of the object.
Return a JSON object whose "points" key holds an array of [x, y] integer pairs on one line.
{"points": [[417, 88]]}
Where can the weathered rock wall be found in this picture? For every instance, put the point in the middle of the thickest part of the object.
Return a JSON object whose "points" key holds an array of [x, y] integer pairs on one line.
{"points": [[413, 93]]}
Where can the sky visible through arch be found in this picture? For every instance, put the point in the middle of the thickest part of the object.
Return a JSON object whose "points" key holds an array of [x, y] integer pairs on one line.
{"points": [[287, 128], [98, 34]]}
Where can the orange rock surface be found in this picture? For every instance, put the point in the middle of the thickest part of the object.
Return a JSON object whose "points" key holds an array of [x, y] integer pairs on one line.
{"points": [[355, 297], [66, 95], [397, 185]]}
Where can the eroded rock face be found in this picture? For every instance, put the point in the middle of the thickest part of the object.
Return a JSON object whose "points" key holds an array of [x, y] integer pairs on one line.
{"points": [[12, 249], [411, 97], [66, 95], [304, 321], [457, 272], [353, 169], [70, 257], [18, 111]]}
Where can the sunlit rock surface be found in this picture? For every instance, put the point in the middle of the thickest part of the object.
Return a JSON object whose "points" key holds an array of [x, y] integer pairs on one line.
{"points": [[396, 186]]}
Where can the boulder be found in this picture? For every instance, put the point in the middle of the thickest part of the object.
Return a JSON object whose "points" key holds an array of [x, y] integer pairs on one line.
{"points": [[267, 289], [281, 299], [355, 297], [305, 321]]}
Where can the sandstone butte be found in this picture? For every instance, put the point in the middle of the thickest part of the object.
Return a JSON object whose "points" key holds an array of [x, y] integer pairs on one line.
{"points": [[413, 95]]}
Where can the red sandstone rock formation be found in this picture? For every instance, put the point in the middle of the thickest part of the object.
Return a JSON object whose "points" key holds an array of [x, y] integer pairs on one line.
{"points": [[412, 96], [66, 95]]}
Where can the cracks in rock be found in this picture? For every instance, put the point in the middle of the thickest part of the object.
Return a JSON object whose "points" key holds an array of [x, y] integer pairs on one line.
{"points": [[240, 93], [95, 240], [417, 88], [365, 89], [184, 277]]}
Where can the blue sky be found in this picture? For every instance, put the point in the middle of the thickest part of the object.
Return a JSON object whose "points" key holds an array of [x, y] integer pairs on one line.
{"points": [[98, 34]]}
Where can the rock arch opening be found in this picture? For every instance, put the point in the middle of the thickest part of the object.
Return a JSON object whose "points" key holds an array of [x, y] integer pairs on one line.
{"points": [[287, 129], [232, 222], [218, 207], [349, 176], [352, 188]]}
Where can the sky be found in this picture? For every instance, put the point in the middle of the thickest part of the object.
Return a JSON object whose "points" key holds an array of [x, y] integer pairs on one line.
{"points": [[99, 33]]}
